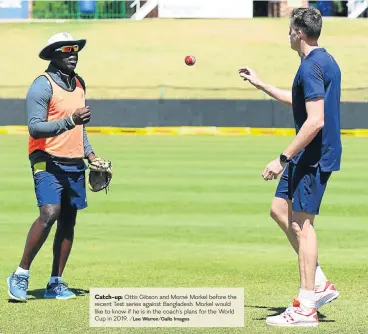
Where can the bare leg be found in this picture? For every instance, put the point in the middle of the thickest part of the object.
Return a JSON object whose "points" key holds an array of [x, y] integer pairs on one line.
{"points": [[63, 241], [281, 213], [303, 227], [38, 233]]}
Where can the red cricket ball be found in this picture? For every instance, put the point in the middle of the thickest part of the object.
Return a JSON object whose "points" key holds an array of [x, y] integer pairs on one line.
{"points": [[190, 60]]}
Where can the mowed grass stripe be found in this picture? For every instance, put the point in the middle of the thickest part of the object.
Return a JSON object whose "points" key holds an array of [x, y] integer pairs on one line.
{"points": [[131, 182], [200, 219]]}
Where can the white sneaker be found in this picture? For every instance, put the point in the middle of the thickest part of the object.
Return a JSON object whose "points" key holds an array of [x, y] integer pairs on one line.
{"points": [[294, 316], [326, 295]]}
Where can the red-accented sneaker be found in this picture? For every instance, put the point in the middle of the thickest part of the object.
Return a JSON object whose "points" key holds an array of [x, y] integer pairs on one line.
{"points": [[326, 295], [294, 316]]}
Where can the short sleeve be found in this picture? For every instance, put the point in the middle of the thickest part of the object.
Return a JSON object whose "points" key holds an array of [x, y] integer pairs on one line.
{"points": [[312, 81]]}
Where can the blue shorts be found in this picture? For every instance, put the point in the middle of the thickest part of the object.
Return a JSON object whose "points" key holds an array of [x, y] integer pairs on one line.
{"points": [[304, 185], [55, 186]]}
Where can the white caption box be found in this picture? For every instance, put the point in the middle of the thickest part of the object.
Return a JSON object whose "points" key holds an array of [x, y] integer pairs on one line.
{"points": [[167, 307]]}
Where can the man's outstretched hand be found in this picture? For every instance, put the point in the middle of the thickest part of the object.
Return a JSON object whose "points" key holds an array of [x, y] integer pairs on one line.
{"points": [[248, 74]]}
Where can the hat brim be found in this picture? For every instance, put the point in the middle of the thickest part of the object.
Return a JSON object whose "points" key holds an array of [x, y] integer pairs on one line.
{"points": [[47, 51]]}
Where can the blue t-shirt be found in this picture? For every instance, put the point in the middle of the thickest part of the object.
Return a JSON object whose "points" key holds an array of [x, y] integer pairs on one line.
{"points": [[319, 76]]}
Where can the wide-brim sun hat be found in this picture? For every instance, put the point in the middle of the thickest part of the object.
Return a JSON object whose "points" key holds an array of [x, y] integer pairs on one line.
{"points": [[59, 40]]}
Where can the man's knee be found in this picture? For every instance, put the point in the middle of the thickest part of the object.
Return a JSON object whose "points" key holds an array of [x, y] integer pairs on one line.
{"points": [[66, 223], [301, 222], [67, 218], [49, 214], [276, 213], [280, 211]]}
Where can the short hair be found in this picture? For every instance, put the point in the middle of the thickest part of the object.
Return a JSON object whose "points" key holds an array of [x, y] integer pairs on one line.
{"points": [[308, 20]]}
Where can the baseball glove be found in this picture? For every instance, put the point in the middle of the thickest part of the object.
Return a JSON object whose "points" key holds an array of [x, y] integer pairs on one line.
{"points": [[100, 174]]}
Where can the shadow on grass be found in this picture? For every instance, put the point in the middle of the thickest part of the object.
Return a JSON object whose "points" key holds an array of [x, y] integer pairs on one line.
{"points": [[278, 310], [38, 294]]}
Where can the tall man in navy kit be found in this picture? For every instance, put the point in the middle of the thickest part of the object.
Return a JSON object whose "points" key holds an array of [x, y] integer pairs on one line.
{"points": [[308, 162]]}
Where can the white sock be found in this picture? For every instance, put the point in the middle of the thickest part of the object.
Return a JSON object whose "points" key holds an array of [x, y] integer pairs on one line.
{"points": [[21, 271], [53, 279], [307, 299], [320, 279]]}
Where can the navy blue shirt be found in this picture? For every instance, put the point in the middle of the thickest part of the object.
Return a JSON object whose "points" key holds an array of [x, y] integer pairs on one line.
{"points": [[319, 76]]}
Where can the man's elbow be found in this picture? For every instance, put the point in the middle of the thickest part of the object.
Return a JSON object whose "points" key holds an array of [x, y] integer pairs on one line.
{"points": [[33, 132], [318, 124]]}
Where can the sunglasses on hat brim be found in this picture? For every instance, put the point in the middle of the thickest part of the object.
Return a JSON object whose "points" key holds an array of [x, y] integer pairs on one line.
{"points": [[68, 48]]}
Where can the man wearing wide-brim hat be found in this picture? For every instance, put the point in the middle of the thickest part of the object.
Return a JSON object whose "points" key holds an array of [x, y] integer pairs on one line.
{"points": [[58, 145], [59, 40]]}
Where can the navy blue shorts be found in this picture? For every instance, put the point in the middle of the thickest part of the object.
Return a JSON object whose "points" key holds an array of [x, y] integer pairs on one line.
{"points": [[55, 186], [304, 186]]}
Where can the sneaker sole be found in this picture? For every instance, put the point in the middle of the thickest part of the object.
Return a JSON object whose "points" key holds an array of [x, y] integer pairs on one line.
{"points": [[298, 324], [12, 296], [328, 299]]}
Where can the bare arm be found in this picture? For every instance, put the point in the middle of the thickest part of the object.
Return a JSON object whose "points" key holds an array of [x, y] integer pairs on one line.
{"points": [[312, 81], [281, 95], [310, 128], [311, 78]]}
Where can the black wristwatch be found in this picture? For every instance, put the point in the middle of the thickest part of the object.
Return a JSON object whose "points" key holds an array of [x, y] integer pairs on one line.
{"points": [[284, 159]]}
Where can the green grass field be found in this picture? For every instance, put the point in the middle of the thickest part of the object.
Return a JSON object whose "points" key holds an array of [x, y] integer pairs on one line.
{"points": [[187, 212], [133, 59]]}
